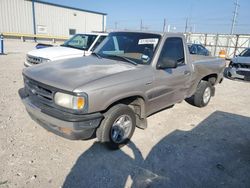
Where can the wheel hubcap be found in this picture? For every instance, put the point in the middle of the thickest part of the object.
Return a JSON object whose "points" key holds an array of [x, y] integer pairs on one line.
{"points": [[206, 95], [121, 128]]}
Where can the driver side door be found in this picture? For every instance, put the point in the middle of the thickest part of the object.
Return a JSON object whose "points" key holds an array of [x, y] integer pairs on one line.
{"points": [[170, 84]]}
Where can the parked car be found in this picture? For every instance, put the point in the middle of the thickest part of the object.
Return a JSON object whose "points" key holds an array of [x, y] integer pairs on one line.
{"points": [[42, 45], [198, 49], [239, 66], [130, 76], [77, 46]]}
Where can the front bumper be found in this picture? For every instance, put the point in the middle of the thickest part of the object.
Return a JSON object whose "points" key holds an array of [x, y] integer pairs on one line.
{"points": [[237, 73], [74, 127], [27, 64]]}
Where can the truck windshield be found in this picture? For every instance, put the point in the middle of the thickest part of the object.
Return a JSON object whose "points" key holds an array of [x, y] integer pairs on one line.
{"points": [[134, 47], [80, 41]]}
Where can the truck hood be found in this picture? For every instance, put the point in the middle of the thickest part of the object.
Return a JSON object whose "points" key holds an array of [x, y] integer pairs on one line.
{"points": [[241, 60], [70, 73], [53, 53]]}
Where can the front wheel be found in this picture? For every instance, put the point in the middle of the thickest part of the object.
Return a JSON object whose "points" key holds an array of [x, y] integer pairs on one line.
{"points": [[202, 95], [117, 127]]}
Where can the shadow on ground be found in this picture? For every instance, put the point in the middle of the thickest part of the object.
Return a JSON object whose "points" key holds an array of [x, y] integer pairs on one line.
{"points": [[216, 153]]}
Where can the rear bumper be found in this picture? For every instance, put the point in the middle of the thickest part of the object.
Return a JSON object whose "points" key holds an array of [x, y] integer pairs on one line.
{"points": [[75, 129], [237, 73]]}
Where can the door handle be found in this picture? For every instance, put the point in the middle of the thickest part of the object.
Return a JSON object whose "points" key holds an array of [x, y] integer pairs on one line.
{"points": [[148, 83], [187, 73]]}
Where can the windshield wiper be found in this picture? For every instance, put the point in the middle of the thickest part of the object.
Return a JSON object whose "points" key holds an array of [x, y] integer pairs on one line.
{"points": [[97, 55], [67, 45], [123, 58]]}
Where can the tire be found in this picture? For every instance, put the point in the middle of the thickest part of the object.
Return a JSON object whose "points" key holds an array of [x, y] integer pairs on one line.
{"points": [[111, 132], [199, 99]]}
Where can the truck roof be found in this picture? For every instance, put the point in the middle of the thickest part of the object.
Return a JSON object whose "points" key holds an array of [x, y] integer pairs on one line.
{"points": [[93, 33], [149, 32]]}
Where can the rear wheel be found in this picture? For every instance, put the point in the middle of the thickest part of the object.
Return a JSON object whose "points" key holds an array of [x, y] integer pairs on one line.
{"points": [[117, 127], [202, 95]]}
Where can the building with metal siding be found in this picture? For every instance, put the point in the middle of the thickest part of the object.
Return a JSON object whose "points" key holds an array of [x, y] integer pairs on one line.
{"points": [[37, 17]]}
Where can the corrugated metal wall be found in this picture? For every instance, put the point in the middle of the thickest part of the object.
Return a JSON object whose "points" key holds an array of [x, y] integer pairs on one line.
{"points": [[59, 20], [16, 16]]}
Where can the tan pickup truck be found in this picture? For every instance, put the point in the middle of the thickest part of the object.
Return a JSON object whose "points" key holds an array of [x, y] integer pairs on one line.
{"points": [[128, 77]]}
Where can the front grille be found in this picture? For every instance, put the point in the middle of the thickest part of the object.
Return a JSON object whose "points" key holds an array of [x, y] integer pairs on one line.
{"points": [[39, 91], [241, 65], [33, 59], [244, 66], [243, 73]]}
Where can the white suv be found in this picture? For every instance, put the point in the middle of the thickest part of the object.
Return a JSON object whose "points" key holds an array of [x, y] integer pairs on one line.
{"points": [[77, 46]]}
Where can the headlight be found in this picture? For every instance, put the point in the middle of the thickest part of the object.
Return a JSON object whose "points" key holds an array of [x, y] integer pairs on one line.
{"points": [[70, 101], [43, 60]]}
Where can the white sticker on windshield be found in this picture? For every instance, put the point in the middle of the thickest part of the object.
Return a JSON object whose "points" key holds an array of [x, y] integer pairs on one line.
{"points": [[153, 41]]}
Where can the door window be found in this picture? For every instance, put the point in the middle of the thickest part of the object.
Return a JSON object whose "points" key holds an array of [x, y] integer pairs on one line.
{"points": [[101, 38], [201, 50], [173, 50]]}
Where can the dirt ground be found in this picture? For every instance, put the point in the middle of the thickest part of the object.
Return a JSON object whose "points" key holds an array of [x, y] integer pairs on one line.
{"points": [[183, 146]]}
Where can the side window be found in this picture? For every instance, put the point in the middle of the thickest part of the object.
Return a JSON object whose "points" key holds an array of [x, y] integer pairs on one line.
{"points": [[173, 50], [101, 38], [201, 49]]}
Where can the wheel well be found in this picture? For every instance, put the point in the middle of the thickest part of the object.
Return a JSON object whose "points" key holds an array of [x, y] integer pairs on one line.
{"points": [[137, 103], [212, 78]]}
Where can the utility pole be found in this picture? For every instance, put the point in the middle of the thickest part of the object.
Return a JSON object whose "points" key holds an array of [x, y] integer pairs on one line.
{"points": [[186, 26], [169, 27], [235, 14], [164, 25]]}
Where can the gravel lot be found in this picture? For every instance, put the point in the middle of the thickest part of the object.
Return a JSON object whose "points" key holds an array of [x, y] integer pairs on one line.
{"points": [[183, 146]]}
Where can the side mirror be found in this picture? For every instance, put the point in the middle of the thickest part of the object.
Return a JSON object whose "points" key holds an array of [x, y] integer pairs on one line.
{"points": [[166, 63]]}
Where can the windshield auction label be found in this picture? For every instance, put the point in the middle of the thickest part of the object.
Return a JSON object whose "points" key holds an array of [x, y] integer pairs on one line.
{"points": [[153, 41]]}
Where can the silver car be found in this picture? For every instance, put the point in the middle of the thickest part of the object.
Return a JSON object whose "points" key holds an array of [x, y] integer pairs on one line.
{"points": [[239, 67]]}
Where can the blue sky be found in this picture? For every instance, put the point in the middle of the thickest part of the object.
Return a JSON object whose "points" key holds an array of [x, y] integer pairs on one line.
{"points": [[212, 16]]}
